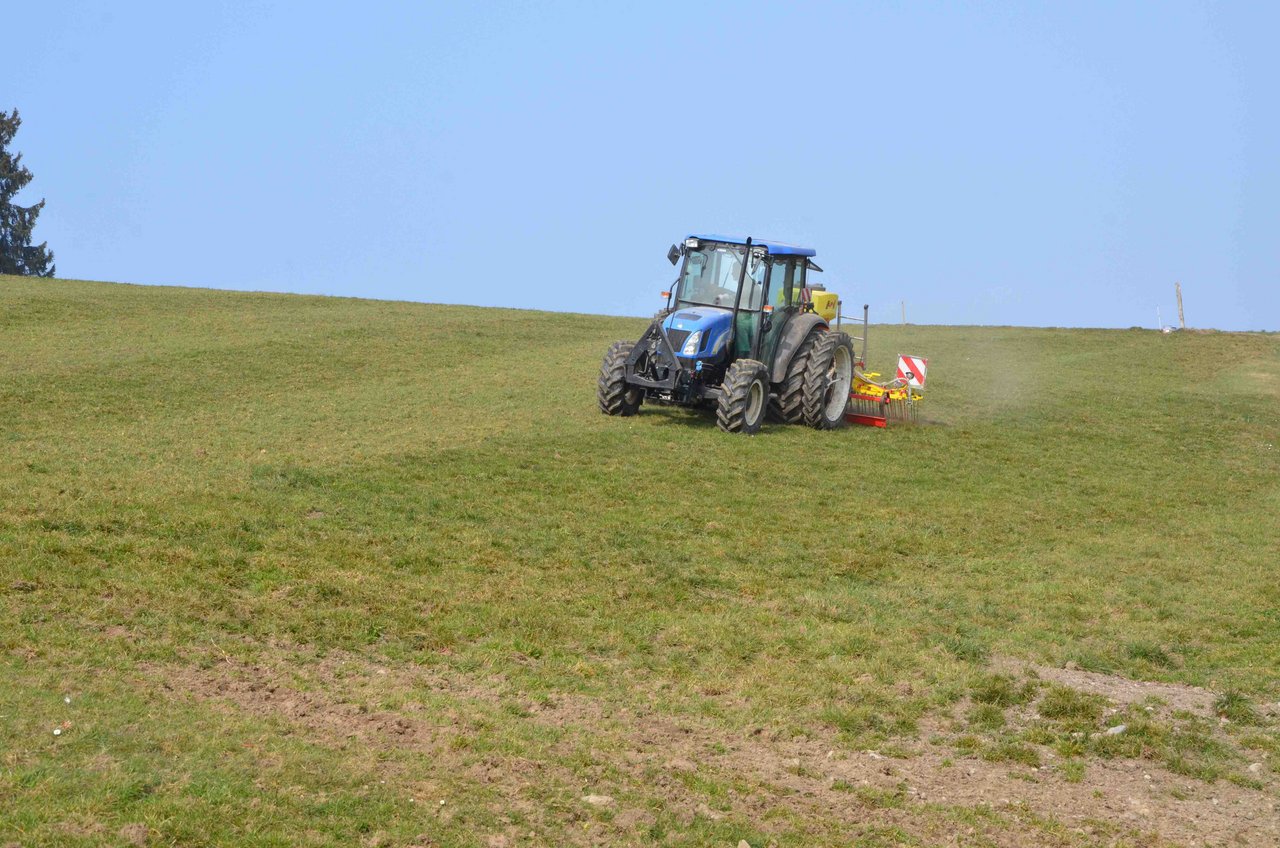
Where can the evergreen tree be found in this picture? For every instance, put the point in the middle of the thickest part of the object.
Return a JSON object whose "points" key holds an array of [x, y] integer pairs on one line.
{"points": [[17, 255]]}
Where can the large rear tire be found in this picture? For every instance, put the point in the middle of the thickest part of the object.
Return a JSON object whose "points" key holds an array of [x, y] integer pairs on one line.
{"points": [[788, 403], [744, 397], [612, 392], [827, 378]]}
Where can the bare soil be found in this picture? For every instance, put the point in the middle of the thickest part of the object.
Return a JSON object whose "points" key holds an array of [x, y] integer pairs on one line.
{"points": [[1119, 689], [775, 780]]}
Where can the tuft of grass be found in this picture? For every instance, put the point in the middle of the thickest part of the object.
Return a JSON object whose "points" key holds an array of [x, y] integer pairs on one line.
{"points": [[1259, 741], [880, 798], [986, 716], [1002, 690], [1149, 653], [1236, 707], [1245, 782], [875, 718], [1010, 751], [1070, 706], [967, 648], [1072, 771]]}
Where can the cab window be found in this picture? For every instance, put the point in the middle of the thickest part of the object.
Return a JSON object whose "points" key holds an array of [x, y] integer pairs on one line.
{"points": [[784, 291], [754, 295]]}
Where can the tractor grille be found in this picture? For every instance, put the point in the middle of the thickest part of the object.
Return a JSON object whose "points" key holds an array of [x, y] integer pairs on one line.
{"points": [[678, 338]]}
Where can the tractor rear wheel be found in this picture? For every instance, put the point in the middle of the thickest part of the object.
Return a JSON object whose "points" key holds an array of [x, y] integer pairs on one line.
{"points": [[788, 403], [827, 379], [744, 397], [612, 392]]}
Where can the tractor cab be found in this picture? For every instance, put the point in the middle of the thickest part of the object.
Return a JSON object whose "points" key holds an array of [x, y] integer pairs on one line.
{"points": [[717, 301]]}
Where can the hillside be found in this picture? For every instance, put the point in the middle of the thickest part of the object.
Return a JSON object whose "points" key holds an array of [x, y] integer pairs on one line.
{"points": [[322, 571]]}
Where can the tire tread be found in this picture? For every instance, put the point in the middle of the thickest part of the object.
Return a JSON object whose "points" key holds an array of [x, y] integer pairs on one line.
{"points": [[788, 403], [814, 389], [731, 411], [612, 393]]}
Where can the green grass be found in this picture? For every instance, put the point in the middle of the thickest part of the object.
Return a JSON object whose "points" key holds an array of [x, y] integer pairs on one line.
{"points": [[1077, 710], [206, 492], [1235, 706], [1002, 690]]}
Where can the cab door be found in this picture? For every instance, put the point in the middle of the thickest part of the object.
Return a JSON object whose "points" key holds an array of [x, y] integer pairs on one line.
{"points": [[750, 300], [785, 280]]}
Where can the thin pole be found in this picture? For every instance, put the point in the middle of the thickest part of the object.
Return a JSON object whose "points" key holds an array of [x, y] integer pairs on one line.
{"points": [[904, 313], [1182, 322], [1159, 320], [865, 326]]}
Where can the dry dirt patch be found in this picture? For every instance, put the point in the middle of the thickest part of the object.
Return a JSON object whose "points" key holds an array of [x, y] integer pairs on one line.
{"points": [[1122, 690], [773, 781]]}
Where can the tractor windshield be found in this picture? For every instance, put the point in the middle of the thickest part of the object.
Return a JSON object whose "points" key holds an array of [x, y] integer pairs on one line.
{"points": [[711, 273]]}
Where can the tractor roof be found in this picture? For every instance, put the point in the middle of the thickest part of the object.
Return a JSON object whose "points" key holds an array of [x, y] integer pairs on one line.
{"points": [[774, 247]]}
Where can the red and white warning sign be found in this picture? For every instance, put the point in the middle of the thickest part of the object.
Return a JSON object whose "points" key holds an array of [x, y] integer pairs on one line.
{"points": [[912, 369]]}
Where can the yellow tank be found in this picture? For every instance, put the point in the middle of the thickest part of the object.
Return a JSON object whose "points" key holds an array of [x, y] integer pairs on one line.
{"points": [[824, 303]]}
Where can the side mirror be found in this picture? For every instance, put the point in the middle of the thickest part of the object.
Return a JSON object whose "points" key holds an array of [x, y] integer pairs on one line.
{"points": [[673, 255]]}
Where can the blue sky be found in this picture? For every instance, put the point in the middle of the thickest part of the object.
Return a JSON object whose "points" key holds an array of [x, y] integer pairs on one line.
{"points": [[1034, 164]]}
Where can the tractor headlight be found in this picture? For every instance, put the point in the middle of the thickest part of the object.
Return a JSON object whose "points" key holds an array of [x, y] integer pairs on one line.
{"points": [[691, 344]]}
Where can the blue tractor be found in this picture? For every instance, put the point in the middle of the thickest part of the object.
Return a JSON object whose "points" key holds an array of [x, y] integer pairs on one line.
{"points": [[740, 333]]}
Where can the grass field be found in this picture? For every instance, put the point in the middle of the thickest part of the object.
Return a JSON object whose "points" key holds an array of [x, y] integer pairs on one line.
{"points": [[314, 571]]}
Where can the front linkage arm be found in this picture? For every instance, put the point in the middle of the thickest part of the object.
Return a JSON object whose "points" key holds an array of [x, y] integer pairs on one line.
{"points": [[667, 353]]}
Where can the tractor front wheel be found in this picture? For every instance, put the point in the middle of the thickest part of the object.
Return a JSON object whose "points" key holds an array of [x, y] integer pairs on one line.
{"points": [[827, 378], [744, 397], [612, 392]]}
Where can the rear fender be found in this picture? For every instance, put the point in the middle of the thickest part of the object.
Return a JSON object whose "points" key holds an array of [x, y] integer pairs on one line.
{"points": [[793, 335]]}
